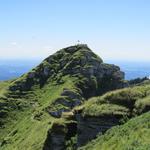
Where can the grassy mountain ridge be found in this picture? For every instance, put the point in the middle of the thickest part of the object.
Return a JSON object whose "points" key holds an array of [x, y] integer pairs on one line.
{"points": [[128, 101], [47, 107], [32, 102]]}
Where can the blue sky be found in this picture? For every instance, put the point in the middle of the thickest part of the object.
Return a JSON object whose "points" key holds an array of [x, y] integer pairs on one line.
{"points": [[114, 29]]}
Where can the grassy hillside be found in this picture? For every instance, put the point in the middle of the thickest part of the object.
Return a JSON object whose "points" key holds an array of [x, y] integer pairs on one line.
{"points": [[129, 102], [26, 127], [133, 135], [33, 107], [29, 104]]}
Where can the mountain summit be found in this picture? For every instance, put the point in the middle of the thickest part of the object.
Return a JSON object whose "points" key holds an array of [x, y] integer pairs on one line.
{"points": [[77, 61], [92, 76]]}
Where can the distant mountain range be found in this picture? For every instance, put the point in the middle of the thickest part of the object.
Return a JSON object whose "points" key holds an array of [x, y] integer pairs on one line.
{"points": [[10, 69], [134, 69]]}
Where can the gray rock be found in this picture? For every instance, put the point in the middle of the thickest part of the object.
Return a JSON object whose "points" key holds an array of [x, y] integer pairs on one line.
{"points": [[46, 71], [31, 75], [58, 134], [71, 49], [58, 113], [55, 139], [70, 94], [89, 127]]}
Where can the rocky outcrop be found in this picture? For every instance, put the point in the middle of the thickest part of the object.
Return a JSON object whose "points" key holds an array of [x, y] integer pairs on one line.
{"points": [[89, 127], [75, 60], [55, 138], [68, 100], [82, 128], [138, 81], [59, 134]]}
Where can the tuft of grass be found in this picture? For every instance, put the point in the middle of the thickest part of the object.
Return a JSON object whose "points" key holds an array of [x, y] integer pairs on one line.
{"points": [[129, 101]]}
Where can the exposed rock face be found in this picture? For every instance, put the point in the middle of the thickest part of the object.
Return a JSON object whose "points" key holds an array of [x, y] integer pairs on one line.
{"points": [[69, 99], [58, 135], [89, 127], [55, 139], [138, 81], [85, 129]]}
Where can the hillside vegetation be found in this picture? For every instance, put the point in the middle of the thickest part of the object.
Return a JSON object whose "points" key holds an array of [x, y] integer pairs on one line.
{"points": [[70, 94], [129, 102], [135, 135], [26, 122]]}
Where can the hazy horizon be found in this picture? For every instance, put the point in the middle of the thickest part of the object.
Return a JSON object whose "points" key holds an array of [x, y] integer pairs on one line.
{"points": [[114, 30]]}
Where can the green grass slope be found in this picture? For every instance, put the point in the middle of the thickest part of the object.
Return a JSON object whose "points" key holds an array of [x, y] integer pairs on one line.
{"points": [[128, 102], [133, 135], [26, 124], [61, 82], [26, 103]]}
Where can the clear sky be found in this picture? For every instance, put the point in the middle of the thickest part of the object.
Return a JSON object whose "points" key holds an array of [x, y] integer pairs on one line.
{"points": [[114, 29]]}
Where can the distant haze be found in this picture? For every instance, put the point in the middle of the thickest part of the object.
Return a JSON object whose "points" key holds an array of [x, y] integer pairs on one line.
{"points": [[115, 29]]}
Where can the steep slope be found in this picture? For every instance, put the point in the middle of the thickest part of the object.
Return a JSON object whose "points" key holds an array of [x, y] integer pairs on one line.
{"points": [[78, 61], [113, 108], [95, 116], [26, 121], [135, 134], [30, 104], [128, 101]]}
